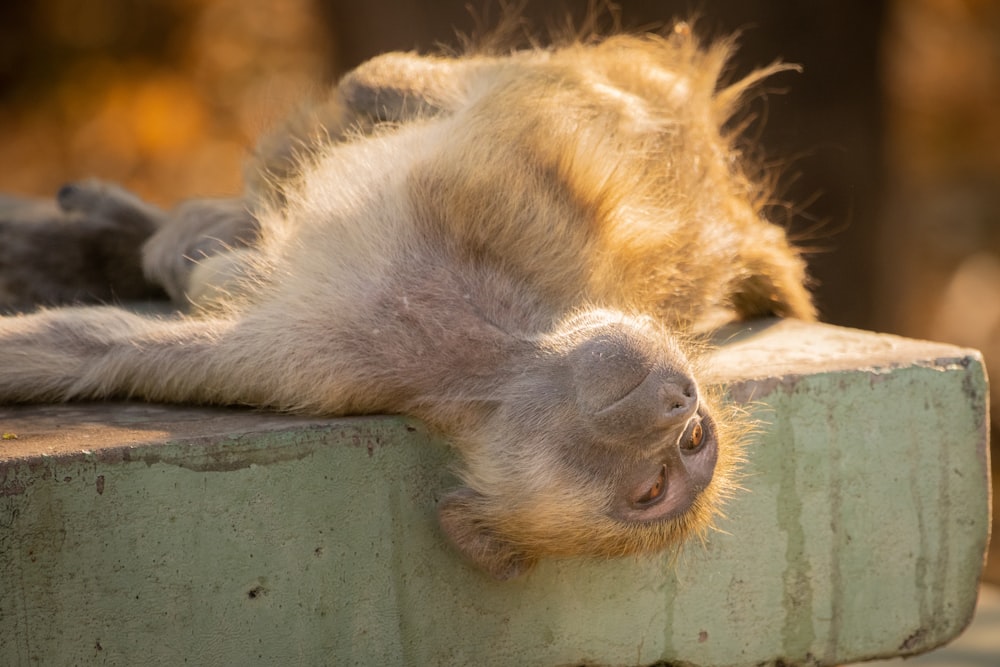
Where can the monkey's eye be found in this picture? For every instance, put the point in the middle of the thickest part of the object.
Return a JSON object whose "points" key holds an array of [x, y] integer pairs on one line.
{"points": [[694, 436], [655, 491]]}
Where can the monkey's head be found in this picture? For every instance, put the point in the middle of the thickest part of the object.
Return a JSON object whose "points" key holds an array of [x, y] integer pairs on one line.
{"points": [[602, 444]]}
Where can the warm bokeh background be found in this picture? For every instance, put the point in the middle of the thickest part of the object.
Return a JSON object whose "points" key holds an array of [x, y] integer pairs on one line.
{"points": [[889, 141]]}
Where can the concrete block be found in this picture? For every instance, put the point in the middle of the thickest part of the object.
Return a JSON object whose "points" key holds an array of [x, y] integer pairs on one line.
{"points": [[142, 534]]}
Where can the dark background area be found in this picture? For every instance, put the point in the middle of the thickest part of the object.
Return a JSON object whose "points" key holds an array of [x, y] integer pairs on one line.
{"points": [[888, 143]]}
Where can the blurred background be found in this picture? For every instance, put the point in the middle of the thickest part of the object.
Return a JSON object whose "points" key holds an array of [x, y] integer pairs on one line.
{"points": [[889, 141]]}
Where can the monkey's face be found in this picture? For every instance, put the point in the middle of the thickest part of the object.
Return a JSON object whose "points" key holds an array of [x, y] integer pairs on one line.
{"points": [[604, 445], [641, 423]]}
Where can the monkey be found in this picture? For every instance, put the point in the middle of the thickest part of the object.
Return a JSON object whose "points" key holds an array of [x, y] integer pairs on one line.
{"points": [[522, 250]]}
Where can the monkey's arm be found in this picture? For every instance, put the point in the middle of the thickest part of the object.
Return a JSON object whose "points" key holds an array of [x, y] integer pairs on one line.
{"points": [[100, 352], [105, 352], [317, 360]]}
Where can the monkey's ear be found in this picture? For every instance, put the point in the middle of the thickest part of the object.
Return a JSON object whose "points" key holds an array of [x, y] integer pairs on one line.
{"points": [[459, 519], [401, 86]]}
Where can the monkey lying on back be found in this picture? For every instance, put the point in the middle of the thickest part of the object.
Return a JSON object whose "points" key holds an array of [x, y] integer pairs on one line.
{"points": [[513, 249]]}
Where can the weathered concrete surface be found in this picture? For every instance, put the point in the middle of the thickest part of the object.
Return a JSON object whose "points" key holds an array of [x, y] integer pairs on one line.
{"points": [[978, 645], [136, 534]]}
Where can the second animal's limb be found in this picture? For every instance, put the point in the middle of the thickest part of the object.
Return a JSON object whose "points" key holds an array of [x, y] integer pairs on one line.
{"points": [[85, 246], [195, 252], [97, 242]]}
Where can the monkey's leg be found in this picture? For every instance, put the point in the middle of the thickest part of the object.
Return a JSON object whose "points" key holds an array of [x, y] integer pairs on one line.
{"points": [[83, 247]]}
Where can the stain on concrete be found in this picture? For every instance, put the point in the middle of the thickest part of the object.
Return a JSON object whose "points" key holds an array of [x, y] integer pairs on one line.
{"points": [[914, 640], [13, 487]]}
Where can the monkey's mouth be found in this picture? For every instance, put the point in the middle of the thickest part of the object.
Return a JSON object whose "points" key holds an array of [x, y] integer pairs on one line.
{"points": [[667, 488]]}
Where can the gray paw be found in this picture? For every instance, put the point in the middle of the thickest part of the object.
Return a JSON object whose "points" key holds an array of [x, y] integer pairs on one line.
{"points": [[84, 247], [111, 202]]}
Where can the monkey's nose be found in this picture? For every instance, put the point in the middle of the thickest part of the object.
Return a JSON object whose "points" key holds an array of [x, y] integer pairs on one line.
{"points": [[679, 400]]}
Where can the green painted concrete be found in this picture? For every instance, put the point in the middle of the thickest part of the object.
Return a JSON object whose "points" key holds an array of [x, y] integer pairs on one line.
{"points": [[134, 534]]}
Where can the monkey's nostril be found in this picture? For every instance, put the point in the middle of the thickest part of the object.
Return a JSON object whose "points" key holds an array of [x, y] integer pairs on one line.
{"points": [[679, 401]]}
